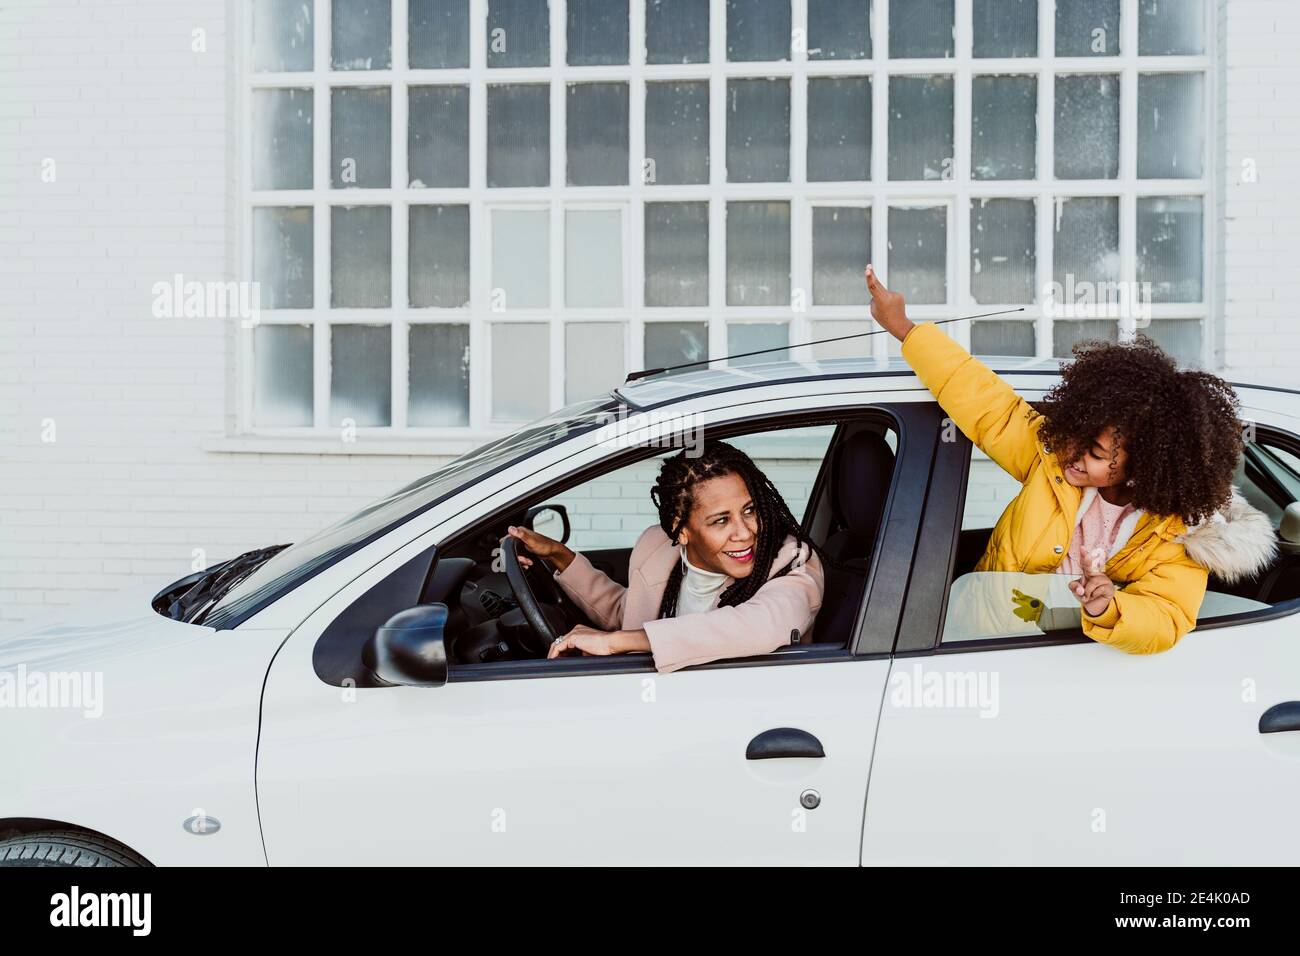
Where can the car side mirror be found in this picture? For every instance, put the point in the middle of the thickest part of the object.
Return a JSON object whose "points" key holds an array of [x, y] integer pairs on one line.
{"points": [[409, 648], [550, 520]]}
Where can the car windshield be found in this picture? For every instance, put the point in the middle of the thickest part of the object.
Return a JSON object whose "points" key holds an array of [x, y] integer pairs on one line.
{"points": [[294, 565]]}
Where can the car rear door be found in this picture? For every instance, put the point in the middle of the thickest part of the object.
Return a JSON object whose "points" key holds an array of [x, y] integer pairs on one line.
{"points": [[1064, 751]]}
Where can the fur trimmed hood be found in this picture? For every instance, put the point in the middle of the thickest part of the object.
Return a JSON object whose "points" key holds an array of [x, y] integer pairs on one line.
{"points": [[1236, 543]]}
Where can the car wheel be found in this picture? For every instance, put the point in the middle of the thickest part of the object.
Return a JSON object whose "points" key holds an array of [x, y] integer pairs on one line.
{"points": [[66, 848]]}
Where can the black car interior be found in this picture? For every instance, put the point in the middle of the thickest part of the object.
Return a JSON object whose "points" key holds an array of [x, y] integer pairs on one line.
{"points": [[498, 610]]}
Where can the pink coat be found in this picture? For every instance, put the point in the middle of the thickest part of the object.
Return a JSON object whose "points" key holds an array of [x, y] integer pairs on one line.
{"points": [[766, 621]]}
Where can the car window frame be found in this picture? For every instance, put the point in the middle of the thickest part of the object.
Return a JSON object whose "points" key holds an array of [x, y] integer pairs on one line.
{"points": [[921, 630], [889, 566]]}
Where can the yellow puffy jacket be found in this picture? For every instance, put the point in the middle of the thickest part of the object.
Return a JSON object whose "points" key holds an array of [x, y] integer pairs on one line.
{"points": [[1158, 588]]}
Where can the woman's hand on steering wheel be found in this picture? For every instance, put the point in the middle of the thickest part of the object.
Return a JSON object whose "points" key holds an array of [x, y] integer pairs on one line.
{"points": [[540, 545]]}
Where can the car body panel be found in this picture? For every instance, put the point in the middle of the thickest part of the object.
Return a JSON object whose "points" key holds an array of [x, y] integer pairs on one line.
{"points": [[175, 736]]}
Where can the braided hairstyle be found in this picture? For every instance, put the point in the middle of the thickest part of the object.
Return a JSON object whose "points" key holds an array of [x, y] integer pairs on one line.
{"points": [[674, 495]]}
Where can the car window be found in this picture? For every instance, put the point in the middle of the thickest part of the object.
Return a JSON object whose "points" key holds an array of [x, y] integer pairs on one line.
{"points": [[1269, 478], [612, 510]]}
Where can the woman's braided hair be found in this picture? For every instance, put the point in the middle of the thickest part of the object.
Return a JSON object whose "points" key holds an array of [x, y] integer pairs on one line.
{"points": [[674, 495]]}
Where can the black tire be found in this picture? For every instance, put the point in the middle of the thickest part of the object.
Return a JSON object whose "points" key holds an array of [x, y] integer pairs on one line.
{"points": [[66, 848]]}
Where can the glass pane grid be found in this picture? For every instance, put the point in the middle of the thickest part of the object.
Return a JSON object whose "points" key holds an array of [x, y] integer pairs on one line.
{"points": [[986, 76]]}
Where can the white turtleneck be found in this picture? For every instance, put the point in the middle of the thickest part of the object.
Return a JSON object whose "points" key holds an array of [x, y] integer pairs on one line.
{"points": [[700, 589]]}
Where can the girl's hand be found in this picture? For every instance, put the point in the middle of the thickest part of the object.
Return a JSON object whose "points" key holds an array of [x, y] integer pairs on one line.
{"points": [[542, 546], [596, 643], [888, 308], [1094, 591]]}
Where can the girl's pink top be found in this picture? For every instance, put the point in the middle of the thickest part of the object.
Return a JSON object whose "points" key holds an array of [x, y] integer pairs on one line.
{"points": [[1094, 536]]}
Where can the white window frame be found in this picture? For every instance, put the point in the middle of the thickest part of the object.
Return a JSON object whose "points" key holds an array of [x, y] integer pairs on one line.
{"points": [[880, 194]]}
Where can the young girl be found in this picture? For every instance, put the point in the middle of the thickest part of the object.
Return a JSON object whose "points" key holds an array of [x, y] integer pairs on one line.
{"points": [[1131, 454], [727, 571]]}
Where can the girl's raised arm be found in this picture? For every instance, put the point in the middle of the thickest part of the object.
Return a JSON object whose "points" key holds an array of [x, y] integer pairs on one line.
{"points": [[986, 409]]}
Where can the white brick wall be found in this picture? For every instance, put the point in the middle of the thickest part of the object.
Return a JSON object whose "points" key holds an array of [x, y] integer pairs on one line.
{"points": [[1259, 122], [137, 127]]}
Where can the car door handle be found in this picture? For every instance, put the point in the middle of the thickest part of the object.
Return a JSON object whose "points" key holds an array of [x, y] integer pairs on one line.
{"points": [[1280, 717], [784, 742]]}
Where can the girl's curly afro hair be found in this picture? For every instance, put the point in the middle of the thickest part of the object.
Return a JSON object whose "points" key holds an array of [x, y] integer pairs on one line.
{"points": [[1180, 428]]}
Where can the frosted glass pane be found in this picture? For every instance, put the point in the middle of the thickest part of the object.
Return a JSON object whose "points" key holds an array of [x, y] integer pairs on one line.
{"points": [[920, 28], [593, 359], [676, 253], [361, 373], [758, 30], [282, 35], [438, 136], [361, 256], [918, 254], [1086, 244], [519, 135], [754, 336], [677, 31], [1087, 27], [1004, 127], [282, 390], [362, 34], [675, 343], [439, 34], [593, 258], [677, 133], [758, 131], [282, 139], [521, 258], [839, 29], [920, 127], [282, 256], [1005, 27], [1087, 126], [997, 337], [758, 253], [596, 132], [841, 251], [839, 128], [1002, 252], [1171, 27], [849, 348], [438, 258], [1181, 338], [518, 33], [361, 144], [1066, 333], [1171, 125], [597, 32], [438, 387], [521, 371], [1170, 239]]}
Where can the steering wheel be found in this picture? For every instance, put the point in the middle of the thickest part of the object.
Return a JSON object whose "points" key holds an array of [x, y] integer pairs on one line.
{"points": [[533, 610]]}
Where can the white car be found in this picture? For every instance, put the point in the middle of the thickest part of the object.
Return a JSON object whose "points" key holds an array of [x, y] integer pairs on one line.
{"points": [[379, 694]]}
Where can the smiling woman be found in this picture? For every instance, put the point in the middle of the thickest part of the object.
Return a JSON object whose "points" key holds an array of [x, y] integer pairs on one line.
{"points": [[727, 572]]}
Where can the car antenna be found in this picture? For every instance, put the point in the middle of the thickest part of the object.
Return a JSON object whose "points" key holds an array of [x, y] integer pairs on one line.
{"points": [[633, 376]]}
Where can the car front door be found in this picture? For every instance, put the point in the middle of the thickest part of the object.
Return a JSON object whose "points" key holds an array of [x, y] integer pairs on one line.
{"points": [[586, 760], [1057, 750]]}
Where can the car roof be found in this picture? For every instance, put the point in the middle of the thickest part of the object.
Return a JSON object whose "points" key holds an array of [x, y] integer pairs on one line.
{"points": [[668, 387], [665, 388]]}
